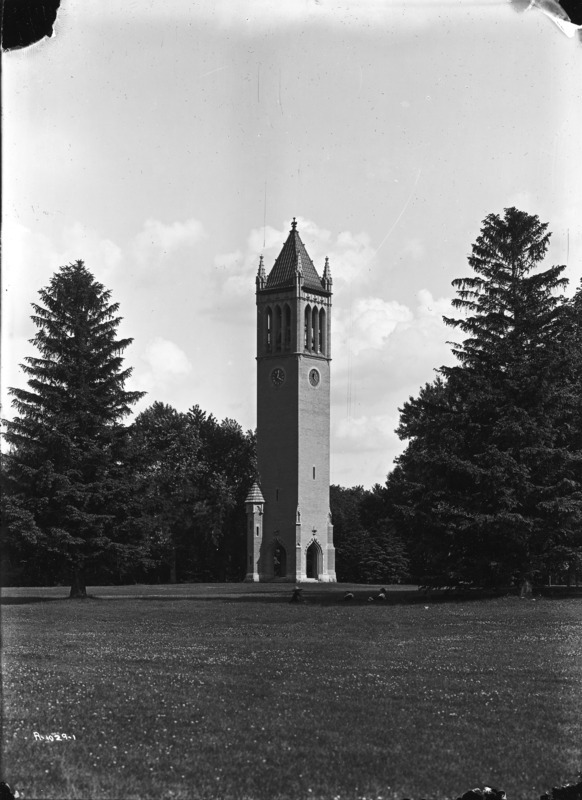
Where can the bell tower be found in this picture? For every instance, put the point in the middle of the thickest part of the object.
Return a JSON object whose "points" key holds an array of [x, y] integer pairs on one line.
{"points": [[290, 532]]}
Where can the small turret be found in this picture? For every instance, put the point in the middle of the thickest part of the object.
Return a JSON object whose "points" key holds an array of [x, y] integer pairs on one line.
{"points": [[326, 281], [255, 503], [261, 275]]}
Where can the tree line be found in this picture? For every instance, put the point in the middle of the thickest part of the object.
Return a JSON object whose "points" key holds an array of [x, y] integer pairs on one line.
{"points": [[488, 491], [87, 498]]}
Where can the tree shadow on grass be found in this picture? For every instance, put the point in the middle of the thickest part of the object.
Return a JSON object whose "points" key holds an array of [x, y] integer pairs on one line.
{"points": [[22, 600], [311, 595]]}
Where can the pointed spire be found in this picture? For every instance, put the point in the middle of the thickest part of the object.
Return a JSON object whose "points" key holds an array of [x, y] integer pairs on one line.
{"points": [[293, 266], [261, 275], [326, 281]]}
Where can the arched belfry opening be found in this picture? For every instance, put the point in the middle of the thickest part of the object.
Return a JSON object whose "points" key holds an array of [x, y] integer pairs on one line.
{"points": [[269, 323], [287, 325], [290, 500], [279, 561], [313, 561], [278, 328], [314, 330]]}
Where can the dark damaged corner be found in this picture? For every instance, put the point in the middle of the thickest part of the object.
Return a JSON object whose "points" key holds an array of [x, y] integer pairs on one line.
{"points": [[566, 14], [25, 22]]}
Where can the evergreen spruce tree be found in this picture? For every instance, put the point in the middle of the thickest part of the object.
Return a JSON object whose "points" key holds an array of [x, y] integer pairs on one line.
{"points": [[64, 466], [489, 486]]}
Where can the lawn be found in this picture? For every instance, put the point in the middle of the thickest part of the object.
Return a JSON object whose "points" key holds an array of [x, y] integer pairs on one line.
{"points": [[230, 691]]}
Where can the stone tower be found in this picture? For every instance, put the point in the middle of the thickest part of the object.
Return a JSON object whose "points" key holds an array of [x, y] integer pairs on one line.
{"points": [[290, 535]]}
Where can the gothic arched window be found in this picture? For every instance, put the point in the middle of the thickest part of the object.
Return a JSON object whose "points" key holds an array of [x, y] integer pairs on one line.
{"points": [[287, 327], [322, 331], [278, 328], [307, 340], [314, 329], [269, 341]]}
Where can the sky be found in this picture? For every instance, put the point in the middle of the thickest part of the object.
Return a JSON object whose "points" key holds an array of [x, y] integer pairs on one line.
{"points": [[169, 144]]}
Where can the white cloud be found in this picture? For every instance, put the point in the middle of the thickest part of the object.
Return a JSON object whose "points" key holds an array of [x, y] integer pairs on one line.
{"points": [[99, 254], [166, 363], [365, 433], [368, 323], [350, 255], [432, 308], [157, 240], [166, 359], [375, 371], [31, 259], [228, 260]]}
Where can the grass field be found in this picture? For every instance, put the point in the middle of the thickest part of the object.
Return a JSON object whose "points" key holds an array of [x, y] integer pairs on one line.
{"points": [[230, 691]]}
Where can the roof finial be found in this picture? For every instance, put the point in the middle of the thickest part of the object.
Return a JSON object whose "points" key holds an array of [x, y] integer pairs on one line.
{"points": [[294, 224]]}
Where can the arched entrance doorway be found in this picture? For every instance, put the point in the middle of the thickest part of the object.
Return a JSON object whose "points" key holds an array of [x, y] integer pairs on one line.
{"points": [[314, 561], [280, 561]]}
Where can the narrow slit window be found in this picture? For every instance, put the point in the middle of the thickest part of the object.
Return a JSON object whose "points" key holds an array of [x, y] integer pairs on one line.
{"points": [[313, 473]]}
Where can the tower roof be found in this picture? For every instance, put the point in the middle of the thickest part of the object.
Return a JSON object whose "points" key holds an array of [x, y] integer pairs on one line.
{"points": [[255, 495], [293, 259]]}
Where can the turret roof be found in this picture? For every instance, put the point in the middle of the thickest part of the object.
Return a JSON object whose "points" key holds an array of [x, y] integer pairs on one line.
{"points": [[292, 259], [255, 495]]}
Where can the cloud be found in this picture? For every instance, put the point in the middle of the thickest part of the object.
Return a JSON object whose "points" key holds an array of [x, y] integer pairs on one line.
{"points": [[166, 359], [157, 240], [433, 309], [31, 259], [368, 323], [351, 256], [166, 362], [365, 433], [98, 253], [392, 352]]}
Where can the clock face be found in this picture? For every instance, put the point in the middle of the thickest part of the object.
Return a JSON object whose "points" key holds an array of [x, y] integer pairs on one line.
{"points": [[313, 377], [278, 376]]}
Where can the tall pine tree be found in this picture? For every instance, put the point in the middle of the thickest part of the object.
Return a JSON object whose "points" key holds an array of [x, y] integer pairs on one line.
{"points": [[65, 458], [489, 486]]}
